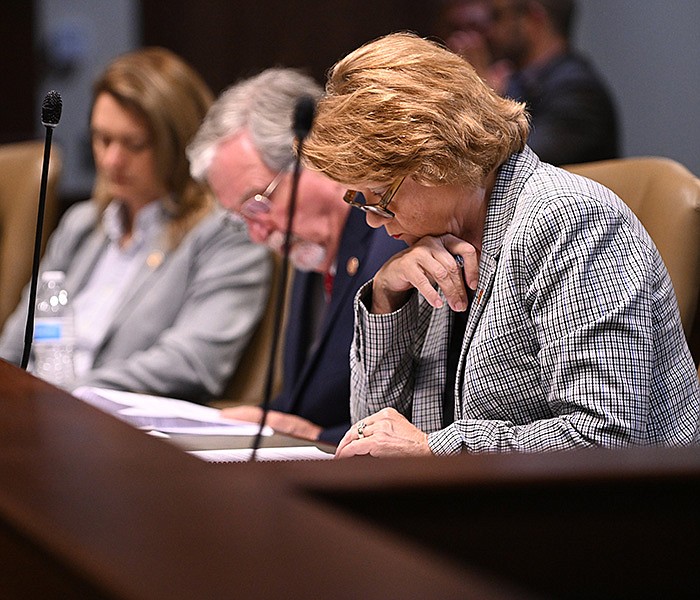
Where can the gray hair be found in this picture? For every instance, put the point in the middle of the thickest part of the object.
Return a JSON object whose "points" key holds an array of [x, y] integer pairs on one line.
{"points": [[264, 106]]}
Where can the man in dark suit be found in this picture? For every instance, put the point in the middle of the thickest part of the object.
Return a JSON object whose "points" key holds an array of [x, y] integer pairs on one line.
{"points": [[244, 150], [523, 49], [573, 116]]}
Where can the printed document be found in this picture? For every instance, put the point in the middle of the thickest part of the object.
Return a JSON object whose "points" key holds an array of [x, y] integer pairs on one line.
{"points": [[166, 415]]}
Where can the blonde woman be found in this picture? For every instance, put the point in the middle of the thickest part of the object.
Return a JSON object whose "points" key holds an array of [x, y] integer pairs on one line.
{"points": [[165, 293], [560, 330]]}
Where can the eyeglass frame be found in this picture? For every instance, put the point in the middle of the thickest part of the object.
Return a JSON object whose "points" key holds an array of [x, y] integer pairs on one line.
{"points": [[260, 200], [380, 208]]}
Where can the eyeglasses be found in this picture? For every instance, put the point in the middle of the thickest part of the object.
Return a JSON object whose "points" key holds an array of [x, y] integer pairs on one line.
{"points": [[352, 198], [253, 208]]}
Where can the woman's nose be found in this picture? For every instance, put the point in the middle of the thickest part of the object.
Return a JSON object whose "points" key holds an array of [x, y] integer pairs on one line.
{"points": [[113, 155], [374, 220]]}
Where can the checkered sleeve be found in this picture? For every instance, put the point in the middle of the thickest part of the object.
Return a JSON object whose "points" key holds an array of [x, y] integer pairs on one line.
{"points": [[382, 362]]}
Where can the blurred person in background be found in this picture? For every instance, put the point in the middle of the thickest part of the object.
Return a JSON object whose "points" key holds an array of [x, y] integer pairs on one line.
{"points": [[165, 295], [463, 25], [245, 150], [522, 48]]}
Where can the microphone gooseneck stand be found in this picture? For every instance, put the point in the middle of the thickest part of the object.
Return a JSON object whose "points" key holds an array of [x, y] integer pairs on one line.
{"points": [[303, 120], [51, 110]]}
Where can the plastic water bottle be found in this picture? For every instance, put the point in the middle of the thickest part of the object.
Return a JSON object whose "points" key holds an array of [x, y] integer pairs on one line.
{"points": [[54, 333]]}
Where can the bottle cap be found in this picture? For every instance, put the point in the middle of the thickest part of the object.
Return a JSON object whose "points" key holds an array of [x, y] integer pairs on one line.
{"points": [[53, 275]]}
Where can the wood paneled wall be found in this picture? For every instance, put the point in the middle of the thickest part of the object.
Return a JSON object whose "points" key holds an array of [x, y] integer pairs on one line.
{"points": [[19, 113], [229, 39]]}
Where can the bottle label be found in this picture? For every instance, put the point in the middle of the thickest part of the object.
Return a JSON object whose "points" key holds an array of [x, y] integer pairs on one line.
{"points": [[47, 331]]}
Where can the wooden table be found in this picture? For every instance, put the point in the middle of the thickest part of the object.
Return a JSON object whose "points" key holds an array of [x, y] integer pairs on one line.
{"points": [[92, 508]]}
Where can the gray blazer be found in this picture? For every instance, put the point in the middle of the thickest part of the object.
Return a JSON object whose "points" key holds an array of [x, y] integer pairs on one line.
{"points": [[184, 323], [573, 339]]}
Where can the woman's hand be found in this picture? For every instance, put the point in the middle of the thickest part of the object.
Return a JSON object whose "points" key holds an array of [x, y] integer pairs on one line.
{"points": [[279, 421], [430, 261], [385, 433]]}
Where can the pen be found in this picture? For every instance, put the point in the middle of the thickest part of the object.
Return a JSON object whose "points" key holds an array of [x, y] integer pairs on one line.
{"points": [[460, 263]]}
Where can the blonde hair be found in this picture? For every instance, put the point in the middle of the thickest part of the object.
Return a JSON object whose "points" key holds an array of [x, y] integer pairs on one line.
{"points": [[157, 86], [402, 105]]}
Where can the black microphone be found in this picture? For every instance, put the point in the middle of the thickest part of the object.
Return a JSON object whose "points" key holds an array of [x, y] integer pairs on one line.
{"points": [[50, 116], [304, 112]]}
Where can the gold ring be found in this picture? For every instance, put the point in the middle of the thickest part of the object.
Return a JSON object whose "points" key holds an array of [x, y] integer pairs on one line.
{"points": [[361, 430]]}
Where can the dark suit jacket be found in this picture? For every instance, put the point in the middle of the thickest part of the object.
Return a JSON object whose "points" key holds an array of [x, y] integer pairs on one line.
{"points": [[573, 114], [317, 387]]}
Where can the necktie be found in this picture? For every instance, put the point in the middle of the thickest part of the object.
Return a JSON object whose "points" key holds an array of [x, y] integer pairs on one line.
{"points": [[328, 285]]}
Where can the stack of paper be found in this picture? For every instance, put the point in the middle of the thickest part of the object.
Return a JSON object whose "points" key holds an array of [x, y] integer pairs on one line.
{"points": [[167, 415], [263, 454]]}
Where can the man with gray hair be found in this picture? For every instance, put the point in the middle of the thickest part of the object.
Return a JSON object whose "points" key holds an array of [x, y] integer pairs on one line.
{"points": [[244, 150]]}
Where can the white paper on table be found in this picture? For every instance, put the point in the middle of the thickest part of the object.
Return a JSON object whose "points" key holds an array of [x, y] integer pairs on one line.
{"points": [[167, 415], [262, 454]]}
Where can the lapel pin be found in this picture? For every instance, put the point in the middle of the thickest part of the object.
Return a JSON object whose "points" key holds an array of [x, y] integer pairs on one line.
{"points": [[155, 259], [352, 266]]}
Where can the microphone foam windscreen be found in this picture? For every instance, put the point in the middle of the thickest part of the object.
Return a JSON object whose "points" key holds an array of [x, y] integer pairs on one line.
{"points": [[51, 109], [304, 112]]}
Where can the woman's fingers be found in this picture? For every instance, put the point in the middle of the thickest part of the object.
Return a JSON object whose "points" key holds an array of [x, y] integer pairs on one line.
{"points": [[385, 433], [470, 259], [445, 262]]}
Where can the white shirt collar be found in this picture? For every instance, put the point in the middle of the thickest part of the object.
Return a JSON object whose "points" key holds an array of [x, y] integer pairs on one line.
{"points": [[146, 222]]}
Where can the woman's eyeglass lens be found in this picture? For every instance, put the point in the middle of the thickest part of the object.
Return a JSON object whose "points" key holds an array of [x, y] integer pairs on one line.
{"points": [[357, 199]]}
